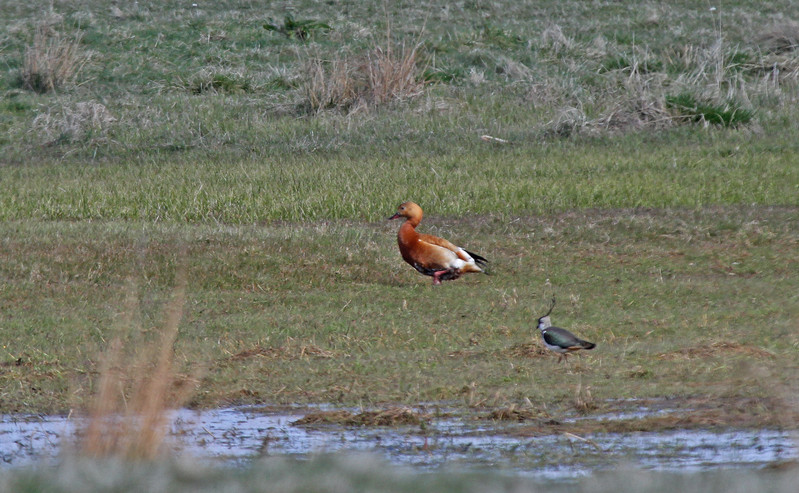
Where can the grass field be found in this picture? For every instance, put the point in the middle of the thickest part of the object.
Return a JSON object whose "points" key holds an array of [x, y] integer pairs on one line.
{"points": [[681, 303], [636, 160]]}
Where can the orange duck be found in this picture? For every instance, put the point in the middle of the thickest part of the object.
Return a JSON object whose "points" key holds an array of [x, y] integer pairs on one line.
{"points": [[431, 255]]}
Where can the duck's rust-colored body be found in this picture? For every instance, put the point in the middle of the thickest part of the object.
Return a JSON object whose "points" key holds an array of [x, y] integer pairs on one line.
{"points": [[431, 255]]}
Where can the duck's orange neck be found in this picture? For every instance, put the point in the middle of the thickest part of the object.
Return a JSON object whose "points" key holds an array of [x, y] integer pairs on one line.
{"points": [[407, 231], [408, 240], [413, 220]]}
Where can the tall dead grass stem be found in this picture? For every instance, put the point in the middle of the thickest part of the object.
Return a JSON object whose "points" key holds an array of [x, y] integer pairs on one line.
{"points": [[128, 414]]}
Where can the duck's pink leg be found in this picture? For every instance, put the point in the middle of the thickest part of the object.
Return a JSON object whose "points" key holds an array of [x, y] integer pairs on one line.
{"points": [[437, 277]]}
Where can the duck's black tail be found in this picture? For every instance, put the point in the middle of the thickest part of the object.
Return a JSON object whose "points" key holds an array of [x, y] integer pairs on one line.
{"points": [[478, 259]]}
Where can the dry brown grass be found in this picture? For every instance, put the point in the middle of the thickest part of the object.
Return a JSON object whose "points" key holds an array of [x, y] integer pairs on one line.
{"points": [[291, 351], [394, 416], [528, 350], [584, 401], [393, 72], [73, 122], [334, 84], [127, 416], [385, 74], [781, 37], [52, 61], [514, 413], [715, 349]]}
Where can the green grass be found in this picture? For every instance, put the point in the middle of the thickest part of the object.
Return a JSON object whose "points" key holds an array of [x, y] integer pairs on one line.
{"points": [[189, 129], [548, 179], [729, 114], [299, 29]]}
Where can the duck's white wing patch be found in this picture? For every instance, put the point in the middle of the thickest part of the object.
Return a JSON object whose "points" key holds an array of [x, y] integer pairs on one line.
{"points": [[447, 257], [465, 255]]}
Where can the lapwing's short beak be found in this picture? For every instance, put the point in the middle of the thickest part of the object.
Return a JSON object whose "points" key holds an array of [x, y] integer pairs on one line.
{"points": [[394, 216]]}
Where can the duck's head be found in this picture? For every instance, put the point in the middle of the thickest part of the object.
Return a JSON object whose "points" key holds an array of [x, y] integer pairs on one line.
{"points": [[410, 211]]}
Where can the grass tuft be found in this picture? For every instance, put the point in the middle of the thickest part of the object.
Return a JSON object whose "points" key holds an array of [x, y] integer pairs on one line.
{"points": [[296, 29], [393, 73], [52, 61], [728, 114], [334, 84], [71, 123], [385, 74], [222, 83]]}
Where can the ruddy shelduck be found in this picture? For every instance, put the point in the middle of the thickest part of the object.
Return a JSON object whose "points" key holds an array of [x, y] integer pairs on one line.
{"points": [[431, 255]]}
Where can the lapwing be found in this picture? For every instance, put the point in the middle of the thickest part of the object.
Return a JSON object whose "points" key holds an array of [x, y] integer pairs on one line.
{"points": [[560, 340]]}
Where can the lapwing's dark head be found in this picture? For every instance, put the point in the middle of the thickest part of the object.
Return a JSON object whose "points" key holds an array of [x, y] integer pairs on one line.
{"points": [[544, 322]]}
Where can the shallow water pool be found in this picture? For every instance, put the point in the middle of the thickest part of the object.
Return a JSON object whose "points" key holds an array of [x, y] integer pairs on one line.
{"points": [[240, 434]]}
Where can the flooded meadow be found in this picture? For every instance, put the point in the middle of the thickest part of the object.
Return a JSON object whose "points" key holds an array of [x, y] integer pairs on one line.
{"points": [[437, 440]]}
